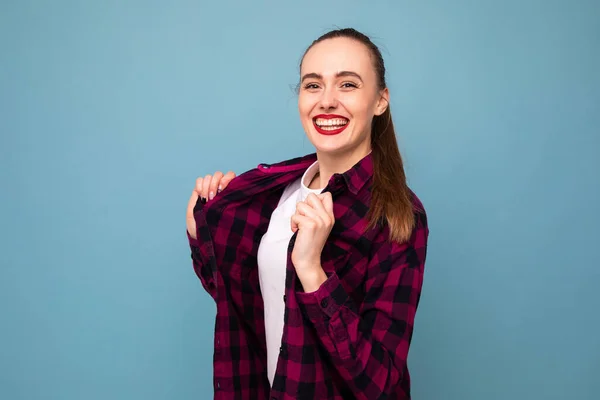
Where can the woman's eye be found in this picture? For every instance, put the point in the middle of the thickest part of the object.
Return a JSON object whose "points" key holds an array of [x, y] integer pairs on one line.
{"points": [[348, 85], [311, 86]]}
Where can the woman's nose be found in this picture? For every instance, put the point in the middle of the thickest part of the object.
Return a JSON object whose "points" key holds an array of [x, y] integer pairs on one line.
{"points": [[328, 99]]}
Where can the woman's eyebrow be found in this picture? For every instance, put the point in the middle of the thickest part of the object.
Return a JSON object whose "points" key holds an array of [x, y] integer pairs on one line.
{"points": [[348, 73], [314, 75], [311, 75]]}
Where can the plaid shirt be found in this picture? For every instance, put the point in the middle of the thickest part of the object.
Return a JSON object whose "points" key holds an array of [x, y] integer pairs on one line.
{"points": [[347, 340]]}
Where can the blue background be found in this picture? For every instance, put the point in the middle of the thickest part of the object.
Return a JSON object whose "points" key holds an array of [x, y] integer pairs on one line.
{"points": [[109, 110]]}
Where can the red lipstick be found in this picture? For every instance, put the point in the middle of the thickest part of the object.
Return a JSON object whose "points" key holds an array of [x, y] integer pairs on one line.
{"points": [[329, 131]]}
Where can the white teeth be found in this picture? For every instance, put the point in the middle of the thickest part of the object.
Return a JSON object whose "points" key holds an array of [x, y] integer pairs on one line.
{"points": [[335, 122]]}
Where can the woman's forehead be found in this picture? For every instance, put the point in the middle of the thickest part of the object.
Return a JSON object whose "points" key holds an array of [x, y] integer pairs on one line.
{"points": [[339, 54]]}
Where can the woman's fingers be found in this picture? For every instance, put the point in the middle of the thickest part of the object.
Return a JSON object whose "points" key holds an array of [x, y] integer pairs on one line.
{"points": [[225, 180], [189, 217], [315, 202], [209, 186], [318, 216], [198, 187], [318, 207], [298, 220], [327, 202], [206, 188], [305, 209], [214, 185]]}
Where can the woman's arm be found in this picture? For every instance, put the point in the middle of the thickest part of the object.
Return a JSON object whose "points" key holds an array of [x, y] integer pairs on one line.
{"points": [[369, 343], [198, 234], [200, 252]]}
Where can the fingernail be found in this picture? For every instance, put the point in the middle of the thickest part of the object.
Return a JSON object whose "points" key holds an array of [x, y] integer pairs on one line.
{"points": [[211, 195], [218, 191], [203, 200]]}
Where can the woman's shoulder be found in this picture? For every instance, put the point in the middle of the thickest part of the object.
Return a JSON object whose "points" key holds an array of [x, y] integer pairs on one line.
{"points": [[420, 230], [418, 209]]}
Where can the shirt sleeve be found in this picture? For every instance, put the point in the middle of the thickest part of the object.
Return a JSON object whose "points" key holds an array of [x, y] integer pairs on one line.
{"points": [[199, 248], [369, 342]]}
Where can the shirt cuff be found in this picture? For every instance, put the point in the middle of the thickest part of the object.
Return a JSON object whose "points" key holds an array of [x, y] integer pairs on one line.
{"points": [[327, 300]]}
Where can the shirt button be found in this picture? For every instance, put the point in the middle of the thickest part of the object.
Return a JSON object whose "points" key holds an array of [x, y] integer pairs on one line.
{"points": [[324, 303], [218, 385]]}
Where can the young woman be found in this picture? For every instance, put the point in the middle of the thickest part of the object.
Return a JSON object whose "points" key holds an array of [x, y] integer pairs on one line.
{"points": [[316, 263]]}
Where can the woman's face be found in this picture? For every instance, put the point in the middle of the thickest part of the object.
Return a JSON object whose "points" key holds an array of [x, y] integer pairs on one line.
{"points": [[339, 96]]}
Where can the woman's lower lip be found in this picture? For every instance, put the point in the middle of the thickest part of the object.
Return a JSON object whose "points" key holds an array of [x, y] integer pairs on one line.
{"points": [[329, 132]]}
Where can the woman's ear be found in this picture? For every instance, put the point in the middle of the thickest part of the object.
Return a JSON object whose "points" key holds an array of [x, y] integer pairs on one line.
{"points": [[383, 102]]}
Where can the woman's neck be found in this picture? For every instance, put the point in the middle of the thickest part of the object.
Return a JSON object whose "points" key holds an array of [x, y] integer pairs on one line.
{"points": [[335, 164], [316, 182]]}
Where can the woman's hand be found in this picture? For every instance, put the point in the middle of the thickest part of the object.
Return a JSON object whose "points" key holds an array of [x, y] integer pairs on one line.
{"points": [[206, 188], [314, 220]]}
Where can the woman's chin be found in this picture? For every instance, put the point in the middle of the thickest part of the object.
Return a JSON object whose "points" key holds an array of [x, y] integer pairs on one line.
{"points": [[329, 148]]}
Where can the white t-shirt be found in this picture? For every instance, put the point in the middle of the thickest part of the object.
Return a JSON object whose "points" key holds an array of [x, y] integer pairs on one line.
{"points": [[272, 259]]}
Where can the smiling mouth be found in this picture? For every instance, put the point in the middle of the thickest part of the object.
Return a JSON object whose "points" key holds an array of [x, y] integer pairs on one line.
{"points": [[330, 125]]}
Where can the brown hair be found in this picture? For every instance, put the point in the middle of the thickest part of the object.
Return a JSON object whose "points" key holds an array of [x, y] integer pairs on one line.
{"points": [[391, 198]]}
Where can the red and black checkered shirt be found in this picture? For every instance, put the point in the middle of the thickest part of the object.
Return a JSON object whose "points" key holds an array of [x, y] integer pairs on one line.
{"points": [[347, 340]]}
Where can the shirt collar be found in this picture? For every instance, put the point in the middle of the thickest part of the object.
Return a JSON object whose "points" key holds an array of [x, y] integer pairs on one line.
{"points": [[355, 178], [361, 173], [307, 179]]}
